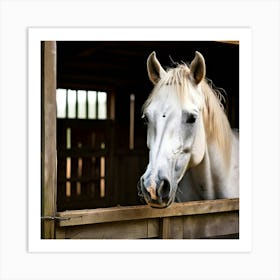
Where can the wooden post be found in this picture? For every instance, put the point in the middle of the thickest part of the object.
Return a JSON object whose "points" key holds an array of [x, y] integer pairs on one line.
{"points": [[165, 228], [48, 141]]}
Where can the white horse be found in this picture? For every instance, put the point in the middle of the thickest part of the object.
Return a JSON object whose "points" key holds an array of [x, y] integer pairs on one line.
{"points": [[193, 153]]}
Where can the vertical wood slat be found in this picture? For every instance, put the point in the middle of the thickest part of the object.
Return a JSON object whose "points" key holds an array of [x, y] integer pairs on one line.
{"points": [[77, 105], [96, 106], [165, 231], [87, 104], [67, 107], [111, 106], [48, 145]]}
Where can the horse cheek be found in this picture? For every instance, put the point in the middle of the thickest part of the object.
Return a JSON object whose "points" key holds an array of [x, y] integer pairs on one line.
{"points": [[199, 146]]}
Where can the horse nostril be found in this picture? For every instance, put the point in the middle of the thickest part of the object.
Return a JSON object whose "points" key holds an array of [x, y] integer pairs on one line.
{"points": [[164, 189]]}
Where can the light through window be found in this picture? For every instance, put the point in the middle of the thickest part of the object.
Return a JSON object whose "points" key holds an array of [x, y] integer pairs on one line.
{"points": [[81, 104]]}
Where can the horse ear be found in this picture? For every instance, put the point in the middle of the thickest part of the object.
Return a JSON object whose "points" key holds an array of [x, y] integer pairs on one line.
{"points": [[198, 68], [155, 70]]}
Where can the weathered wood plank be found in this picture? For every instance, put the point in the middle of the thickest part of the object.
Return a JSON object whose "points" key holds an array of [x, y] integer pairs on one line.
{"points": [[229, 42], [165, 231], [211, 225], [60, 232], [202, 226], [115, 230], [93, 216], [153, 228], [176, 230], [48, 137]]}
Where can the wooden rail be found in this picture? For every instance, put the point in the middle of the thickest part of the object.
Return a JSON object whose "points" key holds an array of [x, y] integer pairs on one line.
{"points": [[114, 214], [196, 219]]}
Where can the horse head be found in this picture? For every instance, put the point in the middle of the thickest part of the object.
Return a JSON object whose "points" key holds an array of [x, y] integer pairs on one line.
{"points": [[175, 128]]}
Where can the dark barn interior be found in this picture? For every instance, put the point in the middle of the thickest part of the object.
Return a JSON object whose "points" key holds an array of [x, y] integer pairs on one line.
{"points": [[100, 159]]}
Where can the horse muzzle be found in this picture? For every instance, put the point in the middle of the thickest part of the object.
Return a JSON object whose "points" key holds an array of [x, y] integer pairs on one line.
{"points": [[156, 194]]}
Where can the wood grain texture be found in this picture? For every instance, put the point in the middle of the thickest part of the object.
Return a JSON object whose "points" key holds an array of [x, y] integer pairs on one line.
{"points": [[202, 226], [48, 145], [117, 230], [104, 215]]}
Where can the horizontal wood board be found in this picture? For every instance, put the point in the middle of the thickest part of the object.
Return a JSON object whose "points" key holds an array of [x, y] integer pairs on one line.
{"points": [[201, 226], [115, 214]]}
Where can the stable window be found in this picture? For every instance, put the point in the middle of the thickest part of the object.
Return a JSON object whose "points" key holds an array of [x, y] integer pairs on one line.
{"points": [[82, 148], [81, 104]]}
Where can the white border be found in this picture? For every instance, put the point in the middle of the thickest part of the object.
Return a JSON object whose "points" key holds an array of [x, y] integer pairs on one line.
{"points": [[36, 35], [262, 16]]}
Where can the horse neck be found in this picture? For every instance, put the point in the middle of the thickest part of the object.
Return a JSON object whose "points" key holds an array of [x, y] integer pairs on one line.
{"points": [[217, 127], [210, 176]]}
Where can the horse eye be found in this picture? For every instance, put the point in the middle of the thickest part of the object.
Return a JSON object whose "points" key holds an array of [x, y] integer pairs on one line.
{"points": [[191, 119], [145, 119]]}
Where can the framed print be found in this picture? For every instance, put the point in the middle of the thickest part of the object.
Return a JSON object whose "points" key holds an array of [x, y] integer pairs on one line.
{"points": [[74, 115], [100, 197]]}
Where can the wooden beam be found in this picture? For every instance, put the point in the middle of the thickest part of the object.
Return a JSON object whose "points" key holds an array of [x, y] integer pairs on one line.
{"points": [[113, 214], [100, 81], [48, 145], [230, 42]]}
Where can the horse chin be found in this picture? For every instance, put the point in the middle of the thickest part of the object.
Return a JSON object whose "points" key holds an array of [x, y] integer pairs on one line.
{"points": [[158, 206], [161, 204]]}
